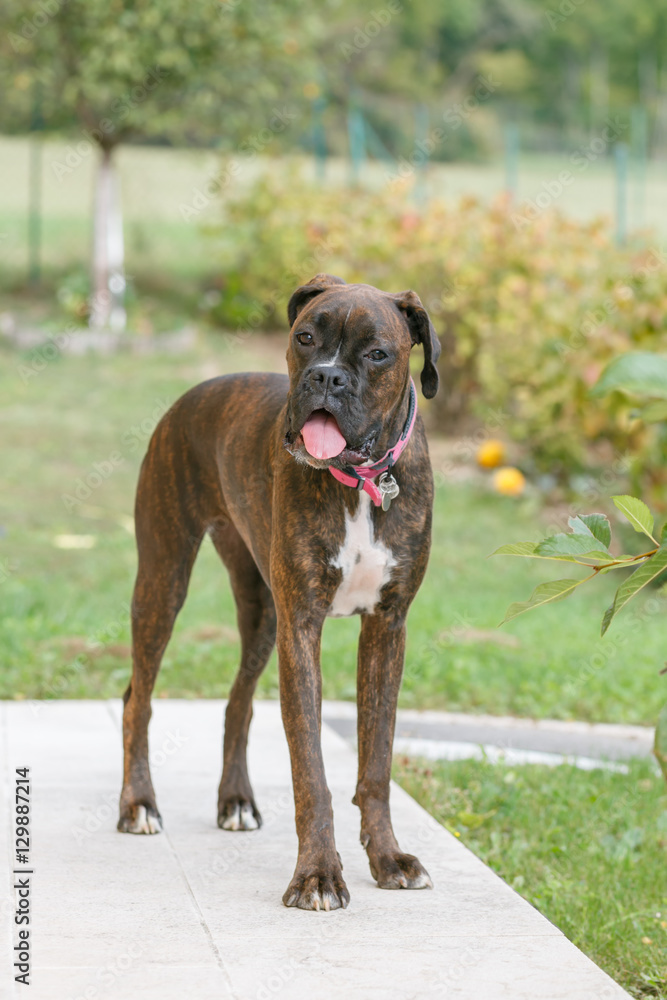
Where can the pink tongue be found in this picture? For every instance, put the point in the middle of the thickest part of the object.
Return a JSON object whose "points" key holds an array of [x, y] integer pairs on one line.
{"points": [[321, 435]]}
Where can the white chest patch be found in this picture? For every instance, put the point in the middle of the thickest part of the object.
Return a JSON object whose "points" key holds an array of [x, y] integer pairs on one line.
{"points": [[366, 564]]}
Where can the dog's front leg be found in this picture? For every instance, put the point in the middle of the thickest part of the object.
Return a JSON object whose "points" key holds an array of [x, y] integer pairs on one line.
{"points": [[317, 882], [381, 654]]}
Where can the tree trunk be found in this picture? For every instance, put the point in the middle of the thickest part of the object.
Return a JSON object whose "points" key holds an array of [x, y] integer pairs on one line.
{"points": [[107, 307]]}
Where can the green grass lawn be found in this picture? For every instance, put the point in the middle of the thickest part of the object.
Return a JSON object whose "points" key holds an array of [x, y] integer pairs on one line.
{"points": [[64, 628], [587, 848]]}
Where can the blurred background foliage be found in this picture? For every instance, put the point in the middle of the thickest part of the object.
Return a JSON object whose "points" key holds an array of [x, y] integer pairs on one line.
{"points": [[560, 66], [466, 149], [528, 315]]}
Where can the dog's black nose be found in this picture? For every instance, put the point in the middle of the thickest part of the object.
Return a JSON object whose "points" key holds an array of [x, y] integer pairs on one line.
{"points": [[328, 379]]}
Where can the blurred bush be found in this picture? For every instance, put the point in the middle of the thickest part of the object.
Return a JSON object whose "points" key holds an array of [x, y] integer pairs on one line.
{"points": [[529, 311], [73, 294]]}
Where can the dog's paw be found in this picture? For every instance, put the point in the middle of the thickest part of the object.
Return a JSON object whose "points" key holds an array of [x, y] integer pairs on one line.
{"points": [[317, 891], [140, 819], [237, 813], [400, 871]]}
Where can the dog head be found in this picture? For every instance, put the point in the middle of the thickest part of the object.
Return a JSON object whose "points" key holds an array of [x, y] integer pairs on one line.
{"points": [[349, 363]]}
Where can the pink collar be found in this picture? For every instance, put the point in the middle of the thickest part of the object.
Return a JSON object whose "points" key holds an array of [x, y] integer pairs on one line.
{"points": [[360, 477]]}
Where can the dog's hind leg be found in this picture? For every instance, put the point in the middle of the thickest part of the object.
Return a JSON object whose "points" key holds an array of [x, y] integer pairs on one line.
{"points": [[168, 538], [256, 618]]}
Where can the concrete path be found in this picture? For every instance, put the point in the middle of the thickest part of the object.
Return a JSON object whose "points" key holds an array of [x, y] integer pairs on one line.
{"points": [[196, 912], [454, 735]]}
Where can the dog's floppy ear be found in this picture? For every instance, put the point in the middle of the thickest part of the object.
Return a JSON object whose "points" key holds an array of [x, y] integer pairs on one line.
{"points": [[422, 332], [303, 295]]}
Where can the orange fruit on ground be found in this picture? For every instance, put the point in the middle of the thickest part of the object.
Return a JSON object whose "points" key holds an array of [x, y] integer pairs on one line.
{"points": [[509, 481], [491, 454]]}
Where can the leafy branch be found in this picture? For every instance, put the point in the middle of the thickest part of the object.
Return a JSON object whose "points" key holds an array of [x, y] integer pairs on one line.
{"points": [[587, 544], [641, 374]]}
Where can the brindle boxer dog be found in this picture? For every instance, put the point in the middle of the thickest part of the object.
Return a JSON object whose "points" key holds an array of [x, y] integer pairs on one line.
{"points": [[264, 464]]}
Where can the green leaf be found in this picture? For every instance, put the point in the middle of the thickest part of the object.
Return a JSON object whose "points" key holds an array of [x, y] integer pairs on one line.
{"points": [[516, 549], [529, 550], [620, 562], [637, 513], [596, 524], [607, 617], [644, 573], [474, 820], [595, 558], [569, 545], [578, 526], [545, 593], [640, 373], [653, 412]]}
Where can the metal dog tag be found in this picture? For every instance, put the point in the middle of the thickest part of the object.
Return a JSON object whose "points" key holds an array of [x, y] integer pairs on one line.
{"points": [[388, 487]]}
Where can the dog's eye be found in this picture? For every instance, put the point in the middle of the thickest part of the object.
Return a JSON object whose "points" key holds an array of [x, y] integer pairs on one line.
{"points": [[305, 338], [377, 355]]}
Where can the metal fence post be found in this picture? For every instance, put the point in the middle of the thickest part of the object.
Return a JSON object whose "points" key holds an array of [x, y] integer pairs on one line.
{"points": [[621, 163], [319, 138], [35, 191], [511, 133], [421, 152], [639, 137], [357, 139]]}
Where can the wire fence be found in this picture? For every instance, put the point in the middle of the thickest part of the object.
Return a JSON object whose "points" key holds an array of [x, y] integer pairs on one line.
{"points": [[46, 200]]}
